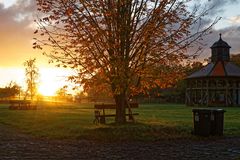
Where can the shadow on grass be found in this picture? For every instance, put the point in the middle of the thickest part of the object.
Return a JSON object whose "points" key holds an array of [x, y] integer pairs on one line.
{"points": [[134, 132]]}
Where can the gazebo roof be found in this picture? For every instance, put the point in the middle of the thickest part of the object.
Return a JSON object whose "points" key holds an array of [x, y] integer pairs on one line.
{"points": [[220, 43], [218, 69]]}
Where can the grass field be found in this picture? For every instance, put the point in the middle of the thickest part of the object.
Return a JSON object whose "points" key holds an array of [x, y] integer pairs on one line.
{"points": [[68, 121]]}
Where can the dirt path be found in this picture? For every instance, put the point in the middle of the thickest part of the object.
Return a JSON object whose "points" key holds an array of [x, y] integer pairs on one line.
{"points": [[16, 146]]}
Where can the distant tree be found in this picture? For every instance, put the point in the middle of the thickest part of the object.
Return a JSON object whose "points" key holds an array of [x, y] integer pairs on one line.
{"points": [[32, 75], [62, 92], [63, 95], [236, 59], [132, 45], [193, 67], [80, 96], [11, 90]]}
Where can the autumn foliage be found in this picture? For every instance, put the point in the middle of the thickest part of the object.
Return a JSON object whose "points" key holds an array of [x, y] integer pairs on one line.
{"points": [[128, 45]]}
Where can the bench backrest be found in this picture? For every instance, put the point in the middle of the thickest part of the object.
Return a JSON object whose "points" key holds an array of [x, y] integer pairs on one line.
{"points": [[19, 101], [113, 106]]}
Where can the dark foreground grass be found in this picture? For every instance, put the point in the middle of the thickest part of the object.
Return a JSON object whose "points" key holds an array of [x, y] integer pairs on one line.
{"points": [[69, 121]]}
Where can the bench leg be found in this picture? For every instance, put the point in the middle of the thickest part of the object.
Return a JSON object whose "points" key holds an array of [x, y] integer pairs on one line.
{"points": [[96, 120], [102, 120], [131, 118]]}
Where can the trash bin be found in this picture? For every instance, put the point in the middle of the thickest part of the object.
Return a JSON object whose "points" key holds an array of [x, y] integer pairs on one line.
{"points": [[208, 121], [202, 122], [217, 122]]}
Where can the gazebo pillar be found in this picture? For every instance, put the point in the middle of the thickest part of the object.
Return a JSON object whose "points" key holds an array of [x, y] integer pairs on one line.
{"points": [[201, 92], [226, 93], [207, 92]]}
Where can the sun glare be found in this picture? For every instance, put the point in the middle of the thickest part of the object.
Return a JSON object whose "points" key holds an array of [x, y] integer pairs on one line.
{"points": [[51, 80], [47, 90]]}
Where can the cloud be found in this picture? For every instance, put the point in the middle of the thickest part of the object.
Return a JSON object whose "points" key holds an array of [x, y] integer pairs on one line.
{"points": [[217, 9], [7, 3], [15, 34], [219, 6], [22, 8], [229, 27], [234, 20], [229, 35]]}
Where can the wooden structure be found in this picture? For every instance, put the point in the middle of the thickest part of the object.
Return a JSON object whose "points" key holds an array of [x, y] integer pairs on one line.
{"points": [[216, 84], [22, 105], [101, 112]]}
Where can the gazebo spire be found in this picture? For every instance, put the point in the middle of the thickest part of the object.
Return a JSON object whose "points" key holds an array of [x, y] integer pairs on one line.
{"points": [[220, 50]]}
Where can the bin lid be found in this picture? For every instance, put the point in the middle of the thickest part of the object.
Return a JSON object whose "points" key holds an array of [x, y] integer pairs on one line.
{"points": [[208, 110]]}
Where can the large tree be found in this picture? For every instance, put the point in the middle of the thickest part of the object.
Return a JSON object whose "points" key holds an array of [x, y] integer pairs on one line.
{"points": [[128, 45]]}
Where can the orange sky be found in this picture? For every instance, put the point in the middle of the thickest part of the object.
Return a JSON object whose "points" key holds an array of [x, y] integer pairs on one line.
{"points": [[16, 38], [16, 34]]}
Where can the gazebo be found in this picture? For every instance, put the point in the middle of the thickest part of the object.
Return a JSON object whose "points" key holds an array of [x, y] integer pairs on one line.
{"points": [[217, 83]]}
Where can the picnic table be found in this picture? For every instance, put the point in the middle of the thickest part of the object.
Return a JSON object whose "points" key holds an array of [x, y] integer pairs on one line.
{"points": [[102, 111], [21, 105]]}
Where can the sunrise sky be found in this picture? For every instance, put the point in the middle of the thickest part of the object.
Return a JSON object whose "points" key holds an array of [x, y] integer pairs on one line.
{"points": [[16, 34]]}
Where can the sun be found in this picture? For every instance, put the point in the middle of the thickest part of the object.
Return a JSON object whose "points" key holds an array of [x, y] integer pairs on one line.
{"points": [[47, 90], [51, 80]]}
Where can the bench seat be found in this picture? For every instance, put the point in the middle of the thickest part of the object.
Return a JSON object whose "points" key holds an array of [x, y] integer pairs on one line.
{"points": [[101, 115]]}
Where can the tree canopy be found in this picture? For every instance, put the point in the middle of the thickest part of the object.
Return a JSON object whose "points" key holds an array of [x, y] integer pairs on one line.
{"points": [[127, 45]]}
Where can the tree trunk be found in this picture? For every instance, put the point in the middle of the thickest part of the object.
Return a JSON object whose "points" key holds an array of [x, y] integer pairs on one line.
{"points": [[120, 108]]}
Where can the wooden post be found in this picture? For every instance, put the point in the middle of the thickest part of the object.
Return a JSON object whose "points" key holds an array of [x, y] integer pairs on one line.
{"points": [[102, 118], [236, 90], [216, 89], [191, 93], [195, 89], [226, 93], [188, 93], [201, 92], [207, 92]]}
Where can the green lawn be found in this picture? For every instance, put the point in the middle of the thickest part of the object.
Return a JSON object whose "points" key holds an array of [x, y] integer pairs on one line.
{"points": [[76, 121]]}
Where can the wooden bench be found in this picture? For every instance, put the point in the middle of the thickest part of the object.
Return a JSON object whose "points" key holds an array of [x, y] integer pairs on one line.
{"points": [[21, 105], [101, 114]]}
